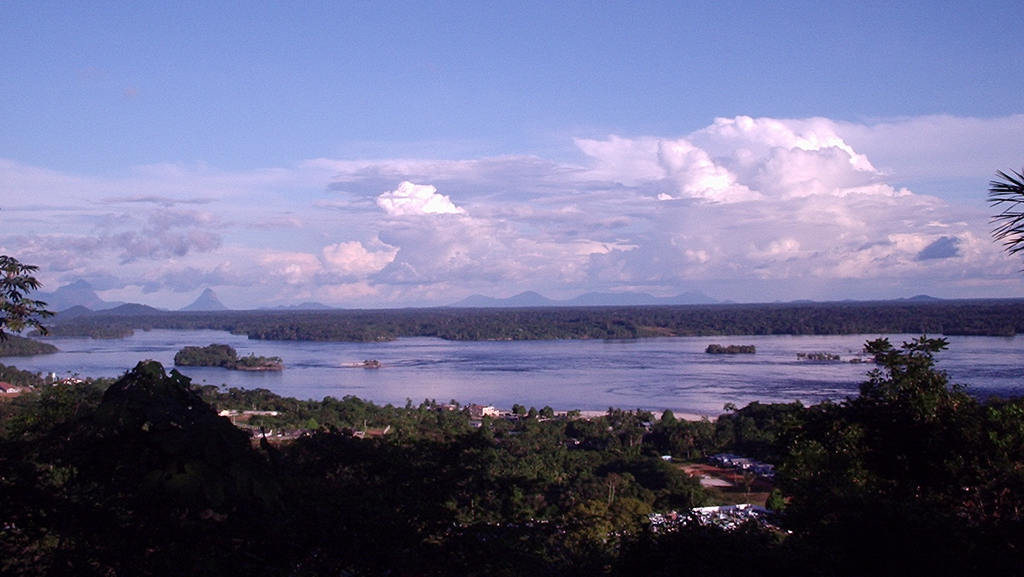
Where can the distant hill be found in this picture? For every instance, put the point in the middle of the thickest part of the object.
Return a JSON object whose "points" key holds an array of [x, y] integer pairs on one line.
{"points": [[78, 293], [131, 310], [123, 310], [207, 301], [523, 299], [533, 299], [73, 312], [126, 310], [922, 298]]}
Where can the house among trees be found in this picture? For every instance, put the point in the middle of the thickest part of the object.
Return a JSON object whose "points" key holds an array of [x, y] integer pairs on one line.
{"points": [[480, 411], [372, 433], [9, 389]]}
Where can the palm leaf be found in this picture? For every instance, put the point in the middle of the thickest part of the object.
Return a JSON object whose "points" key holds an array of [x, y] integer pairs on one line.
{"points": [[1007, 192]]}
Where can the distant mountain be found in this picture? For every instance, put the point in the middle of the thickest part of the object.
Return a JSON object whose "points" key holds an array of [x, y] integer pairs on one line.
{"points": [[78, 293], [533, 299], [207, 301]]}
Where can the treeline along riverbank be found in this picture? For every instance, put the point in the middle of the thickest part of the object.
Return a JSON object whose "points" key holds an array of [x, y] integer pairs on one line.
{"points": [[967, 317]]}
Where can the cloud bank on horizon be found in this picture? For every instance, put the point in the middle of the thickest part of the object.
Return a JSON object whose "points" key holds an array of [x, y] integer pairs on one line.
{"points": [[745, 209]]}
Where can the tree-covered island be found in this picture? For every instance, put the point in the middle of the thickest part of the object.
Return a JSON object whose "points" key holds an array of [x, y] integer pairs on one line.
{"points": [[216, 355], [16, 346], [715, 349]]}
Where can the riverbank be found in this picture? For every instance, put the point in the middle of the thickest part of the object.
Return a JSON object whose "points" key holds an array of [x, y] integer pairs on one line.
{"points": [[657, 414]]}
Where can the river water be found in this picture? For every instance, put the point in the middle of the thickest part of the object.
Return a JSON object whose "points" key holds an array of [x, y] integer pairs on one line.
{"points": [[592, 375]]}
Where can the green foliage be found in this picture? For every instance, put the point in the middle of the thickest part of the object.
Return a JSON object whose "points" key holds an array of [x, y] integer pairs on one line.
{"points": [[15, 376], [17, 311], [48, 406], [907, 470], [173, 445], [146, 477], [776, 501], [756, 429], [141, 479], [209, 356]]}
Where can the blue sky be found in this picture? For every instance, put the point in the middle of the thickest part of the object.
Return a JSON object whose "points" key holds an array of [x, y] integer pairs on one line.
{"points": [[413, 153]]}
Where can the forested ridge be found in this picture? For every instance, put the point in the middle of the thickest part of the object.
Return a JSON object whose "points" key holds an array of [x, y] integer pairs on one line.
{"points": [[968, 317], [16, 346], [142, 477]]}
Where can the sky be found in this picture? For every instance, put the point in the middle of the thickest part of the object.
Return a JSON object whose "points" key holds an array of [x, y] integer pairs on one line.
{"points": [[395, 154]]}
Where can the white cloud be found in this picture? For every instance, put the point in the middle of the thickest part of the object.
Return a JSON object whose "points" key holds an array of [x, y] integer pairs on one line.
{"points": [[758, 209], [352, 258], [622, 160], [758, 135], [291, 267], [413, 199], [697, 176]]}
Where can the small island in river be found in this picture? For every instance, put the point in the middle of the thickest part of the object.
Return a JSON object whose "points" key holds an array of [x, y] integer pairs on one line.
{"points": [[731, 350], [225, 356], [367, 364], [826, 357]]}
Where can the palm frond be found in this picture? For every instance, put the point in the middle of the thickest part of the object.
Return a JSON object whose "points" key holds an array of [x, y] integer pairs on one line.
{"points": [[1007, 191]]}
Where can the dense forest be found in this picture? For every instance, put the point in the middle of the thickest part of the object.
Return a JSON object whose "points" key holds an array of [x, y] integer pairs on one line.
{"points": [[142, 477], [972, 317]]}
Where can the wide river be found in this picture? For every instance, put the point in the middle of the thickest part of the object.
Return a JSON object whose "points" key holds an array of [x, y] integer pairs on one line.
{"points": [[655, 374]]}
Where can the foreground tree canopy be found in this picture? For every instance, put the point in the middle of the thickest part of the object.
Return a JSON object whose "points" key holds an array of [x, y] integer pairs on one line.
{"points": [[17, 311], [142, 477]]}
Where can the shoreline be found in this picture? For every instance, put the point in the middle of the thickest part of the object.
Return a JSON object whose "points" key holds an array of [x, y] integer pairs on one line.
{"points": [[682, 416]]}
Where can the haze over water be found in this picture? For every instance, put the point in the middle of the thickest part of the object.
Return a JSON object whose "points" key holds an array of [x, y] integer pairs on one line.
{"points": [[655, 374]]}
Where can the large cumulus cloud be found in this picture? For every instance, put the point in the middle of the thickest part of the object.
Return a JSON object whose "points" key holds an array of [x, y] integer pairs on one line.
{"points": [[746, 209]]}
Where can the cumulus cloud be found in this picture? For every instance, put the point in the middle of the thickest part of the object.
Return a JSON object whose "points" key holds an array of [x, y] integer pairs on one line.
{"points": [[745, 208], [352, 258], [415, 199], [696, 175]]}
